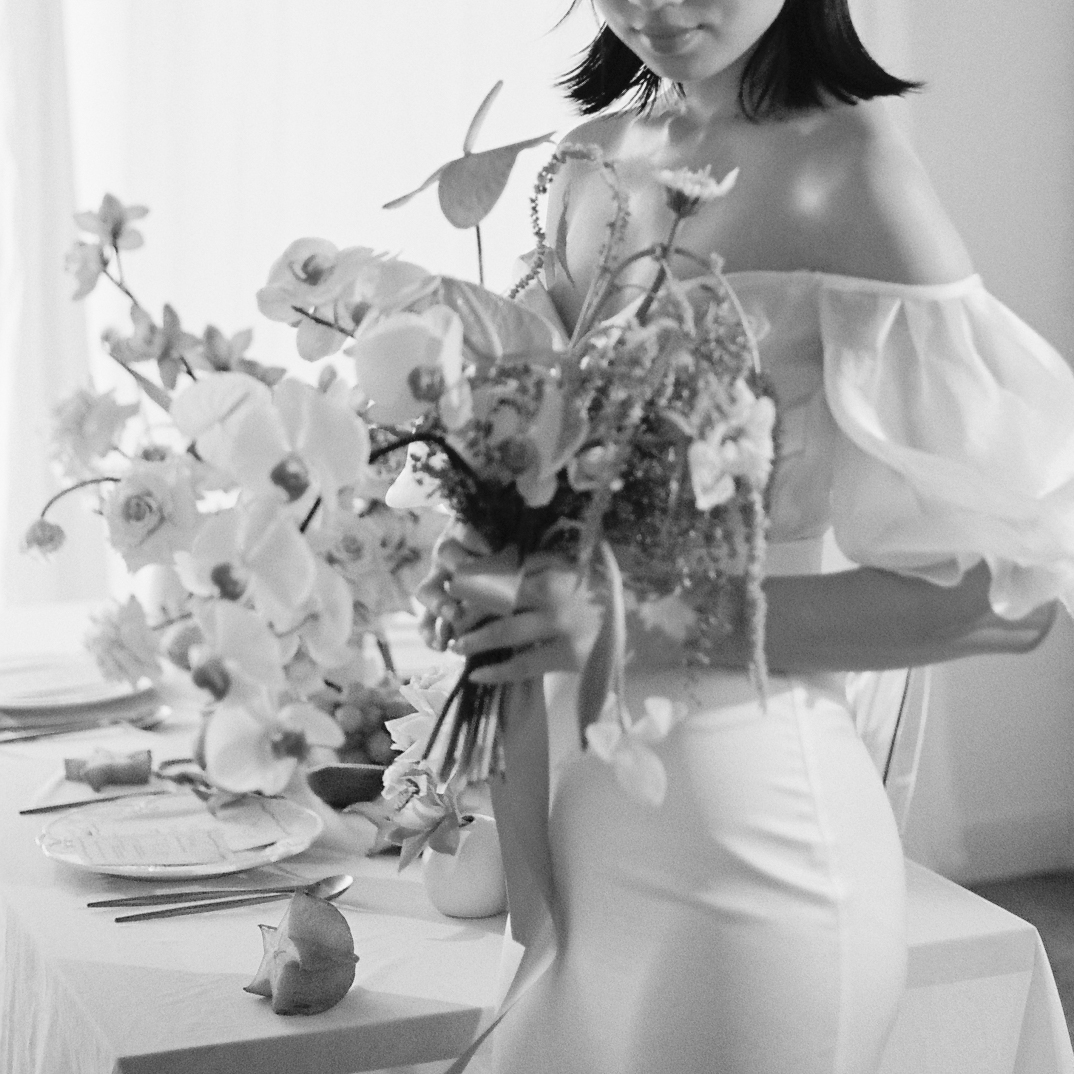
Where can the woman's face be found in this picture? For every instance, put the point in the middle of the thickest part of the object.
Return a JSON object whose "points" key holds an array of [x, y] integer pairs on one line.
{"points": [[689, 40]]}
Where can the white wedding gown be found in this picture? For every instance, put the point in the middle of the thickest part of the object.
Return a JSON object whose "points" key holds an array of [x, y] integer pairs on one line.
{"points": [[754, 922]]}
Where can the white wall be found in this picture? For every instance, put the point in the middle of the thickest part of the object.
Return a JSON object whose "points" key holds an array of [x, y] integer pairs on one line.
{"points": [[995, 128]]}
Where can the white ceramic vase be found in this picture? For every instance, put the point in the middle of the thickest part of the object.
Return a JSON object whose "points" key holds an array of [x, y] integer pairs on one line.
{"points": [[470, 882]]}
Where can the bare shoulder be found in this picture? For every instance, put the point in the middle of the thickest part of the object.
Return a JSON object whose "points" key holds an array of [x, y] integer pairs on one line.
{"points": [[606, 133], [874, 212]]}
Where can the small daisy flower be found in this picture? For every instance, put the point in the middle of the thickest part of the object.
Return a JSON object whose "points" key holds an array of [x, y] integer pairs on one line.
{"points": [[688, 190]]}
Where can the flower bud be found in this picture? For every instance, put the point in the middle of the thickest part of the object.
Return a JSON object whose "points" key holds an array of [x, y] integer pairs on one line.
{"points": [[44, 537]]}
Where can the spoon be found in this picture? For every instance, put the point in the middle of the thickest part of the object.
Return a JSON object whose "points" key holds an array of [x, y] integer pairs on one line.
{"points": [[330, 887]]}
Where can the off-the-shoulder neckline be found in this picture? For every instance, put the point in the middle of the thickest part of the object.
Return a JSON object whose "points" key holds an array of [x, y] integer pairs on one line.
{"points": [[862, 283]]}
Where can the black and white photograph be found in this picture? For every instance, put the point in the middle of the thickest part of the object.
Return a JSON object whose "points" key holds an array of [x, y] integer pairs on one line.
{"points": [[536, 537]]}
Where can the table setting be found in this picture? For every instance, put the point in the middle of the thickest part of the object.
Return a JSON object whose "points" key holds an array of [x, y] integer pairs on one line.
{"points": [[163, 990]]}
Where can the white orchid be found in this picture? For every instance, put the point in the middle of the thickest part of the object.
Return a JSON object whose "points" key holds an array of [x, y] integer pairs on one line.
{"points": [[253, 747], [292, 442], [410, 364], [254, 549]]}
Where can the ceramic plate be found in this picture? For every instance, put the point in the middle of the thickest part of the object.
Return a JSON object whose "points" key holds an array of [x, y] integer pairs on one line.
{"points": [[58, 682], [175, 837]]}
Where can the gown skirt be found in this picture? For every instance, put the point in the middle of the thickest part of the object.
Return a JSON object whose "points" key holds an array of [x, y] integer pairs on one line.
{"points": [[753, 923]]}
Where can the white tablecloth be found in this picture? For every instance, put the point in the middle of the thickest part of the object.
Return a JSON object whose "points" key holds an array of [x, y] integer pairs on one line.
{"points": [[80, 994]]}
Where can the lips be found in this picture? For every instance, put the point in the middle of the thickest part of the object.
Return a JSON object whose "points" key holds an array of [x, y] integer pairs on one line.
{"points": [[668, 40]]}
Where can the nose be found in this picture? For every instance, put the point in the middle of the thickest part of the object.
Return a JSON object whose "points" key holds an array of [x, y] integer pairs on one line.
{"points": [[655, 5]]}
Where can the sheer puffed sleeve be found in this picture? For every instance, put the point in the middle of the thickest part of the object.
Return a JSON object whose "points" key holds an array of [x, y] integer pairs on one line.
{"points": [[957, 444]]}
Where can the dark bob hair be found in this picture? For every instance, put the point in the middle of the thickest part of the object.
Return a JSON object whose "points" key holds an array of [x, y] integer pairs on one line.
{"points": [[811, 49]]}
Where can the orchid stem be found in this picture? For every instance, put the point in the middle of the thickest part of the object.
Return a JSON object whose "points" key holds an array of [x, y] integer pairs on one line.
{"points": [[324, 322], [305, 525], [480, 257], [72, 488], [120, 283], [385, 654]]}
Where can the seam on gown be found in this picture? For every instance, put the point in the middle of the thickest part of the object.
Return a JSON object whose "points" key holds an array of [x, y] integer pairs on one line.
{"points": [[839, 894], [836, 282]]}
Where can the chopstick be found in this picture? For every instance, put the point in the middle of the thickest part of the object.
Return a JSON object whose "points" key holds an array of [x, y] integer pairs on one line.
{"points": [[204, 907], [194, 896], [56, 806]]}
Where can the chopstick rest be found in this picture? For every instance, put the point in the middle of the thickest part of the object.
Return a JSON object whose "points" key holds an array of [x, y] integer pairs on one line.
{"points": [[104, 768]]}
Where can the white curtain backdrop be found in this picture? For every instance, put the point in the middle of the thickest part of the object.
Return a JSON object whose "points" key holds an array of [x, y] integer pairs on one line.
{"points": [[242, 125], [43, 353], [246, 124]]}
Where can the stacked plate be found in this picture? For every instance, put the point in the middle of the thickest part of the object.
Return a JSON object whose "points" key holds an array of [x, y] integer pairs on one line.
{"points": [[62, 692]]}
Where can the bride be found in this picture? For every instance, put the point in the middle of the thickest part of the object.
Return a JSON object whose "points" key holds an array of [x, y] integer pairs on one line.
{"points": [[754, 922]]}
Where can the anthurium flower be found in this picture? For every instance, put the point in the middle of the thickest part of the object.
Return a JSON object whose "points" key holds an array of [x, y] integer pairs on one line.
{"points": [[152, 512], [86, 427], [628, 746], [123, 645], [252, 550], [85, 261], [416, 488], [255, 748], [111, 223], [410, 364]]}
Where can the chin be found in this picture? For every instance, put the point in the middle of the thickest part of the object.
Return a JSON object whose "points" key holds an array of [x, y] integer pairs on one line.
{"points": [[703, 60]]}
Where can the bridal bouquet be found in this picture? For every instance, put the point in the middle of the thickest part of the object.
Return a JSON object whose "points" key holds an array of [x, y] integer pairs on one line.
{"points": [[645, 439], [251, 496]]}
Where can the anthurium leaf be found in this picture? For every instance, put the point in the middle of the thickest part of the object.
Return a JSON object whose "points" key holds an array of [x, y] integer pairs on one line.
{"points": [[479, 118], [471, 185], [492, 325], [396, 202]]}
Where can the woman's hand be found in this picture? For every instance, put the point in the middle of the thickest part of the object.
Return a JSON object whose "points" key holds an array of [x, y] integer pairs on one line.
{"points": [[442, 612], [545, 616], [556, 620]]}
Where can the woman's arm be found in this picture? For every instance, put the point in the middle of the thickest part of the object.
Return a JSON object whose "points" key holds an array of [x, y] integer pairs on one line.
{"points": [[868, 619], [855, 620]]}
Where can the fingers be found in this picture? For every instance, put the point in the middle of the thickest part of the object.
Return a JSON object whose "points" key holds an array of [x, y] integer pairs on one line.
{"points": [[529, 663], [510, 632]]}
